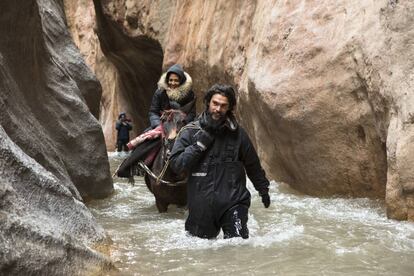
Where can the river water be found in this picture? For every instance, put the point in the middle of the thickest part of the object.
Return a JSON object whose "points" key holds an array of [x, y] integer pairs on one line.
{"points": [[296, 235]]}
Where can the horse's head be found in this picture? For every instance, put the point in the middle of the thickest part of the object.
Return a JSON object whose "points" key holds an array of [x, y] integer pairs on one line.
{"points": [[172, 121]]}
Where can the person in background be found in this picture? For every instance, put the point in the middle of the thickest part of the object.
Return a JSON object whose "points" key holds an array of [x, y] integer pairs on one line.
{"points": [[216, 153], [174, 92], [123, 127]]}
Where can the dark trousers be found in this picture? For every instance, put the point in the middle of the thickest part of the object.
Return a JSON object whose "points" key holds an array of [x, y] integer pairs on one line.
{"points": [[122, 145], [233, 223]]}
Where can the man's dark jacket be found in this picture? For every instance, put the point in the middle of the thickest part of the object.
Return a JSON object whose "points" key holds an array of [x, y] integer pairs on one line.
{"points": [[217, 176], [123, 130]]}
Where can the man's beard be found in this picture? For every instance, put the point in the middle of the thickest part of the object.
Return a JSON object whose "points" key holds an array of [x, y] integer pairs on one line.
{"points": [[214, 125], [221, 117]]}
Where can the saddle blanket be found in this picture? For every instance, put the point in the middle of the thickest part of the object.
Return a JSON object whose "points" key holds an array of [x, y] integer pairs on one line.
{"points": [[149, 135]]}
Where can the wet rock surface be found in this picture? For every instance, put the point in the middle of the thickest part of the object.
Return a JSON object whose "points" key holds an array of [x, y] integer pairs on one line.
{"points": [[52, 151], [325, 89]]}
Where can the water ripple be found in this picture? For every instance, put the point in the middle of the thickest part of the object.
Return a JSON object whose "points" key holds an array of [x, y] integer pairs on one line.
{"points": [[296, 235]]}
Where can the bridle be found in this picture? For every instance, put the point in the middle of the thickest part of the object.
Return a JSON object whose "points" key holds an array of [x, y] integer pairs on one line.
{"points": [[159, 179]]}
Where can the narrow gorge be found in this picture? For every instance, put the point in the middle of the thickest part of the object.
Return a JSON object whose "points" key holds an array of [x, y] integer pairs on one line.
{"points": [[324, 89]]}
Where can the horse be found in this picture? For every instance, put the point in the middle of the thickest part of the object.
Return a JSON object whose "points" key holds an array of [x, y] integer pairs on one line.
{"points": [[167, 187]]}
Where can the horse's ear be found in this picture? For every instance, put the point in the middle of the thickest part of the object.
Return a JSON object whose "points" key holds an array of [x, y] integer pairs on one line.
{"points": [[164, 115], [183, 116], [178, 116]]}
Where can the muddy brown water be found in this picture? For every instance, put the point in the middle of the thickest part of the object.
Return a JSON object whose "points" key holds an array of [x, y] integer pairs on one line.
{"points": [[297, 235]]}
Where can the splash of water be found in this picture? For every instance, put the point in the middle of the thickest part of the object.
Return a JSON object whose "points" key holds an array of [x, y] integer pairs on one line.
{"points": [[297, 234]]}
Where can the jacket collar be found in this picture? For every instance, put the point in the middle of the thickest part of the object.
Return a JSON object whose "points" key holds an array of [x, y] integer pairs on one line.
{"points": [[230, 123]]}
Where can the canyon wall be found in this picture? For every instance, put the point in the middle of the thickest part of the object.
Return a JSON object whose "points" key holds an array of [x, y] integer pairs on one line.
{"points": [[324, 88], [127, 67], [52, 151]]}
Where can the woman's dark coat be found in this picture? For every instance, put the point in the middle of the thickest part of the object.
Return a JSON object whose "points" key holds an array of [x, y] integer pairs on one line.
{"points": [[164, 98]]}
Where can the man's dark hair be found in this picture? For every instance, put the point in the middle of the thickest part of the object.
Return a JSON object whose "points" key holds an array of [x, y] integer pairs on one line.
{"points": [[224, 90]]}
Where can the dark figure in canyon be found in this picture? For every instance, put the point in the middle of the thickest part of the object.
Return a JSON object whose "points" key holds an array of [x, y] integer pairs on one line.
{"points": [[216, 153], [174, 92], [123, 127]]}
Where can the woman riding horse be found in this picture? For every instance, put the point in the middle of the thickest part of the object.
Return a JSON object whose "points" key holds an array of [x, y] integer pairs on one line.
{"points": [[167, 186], [174, 93]]}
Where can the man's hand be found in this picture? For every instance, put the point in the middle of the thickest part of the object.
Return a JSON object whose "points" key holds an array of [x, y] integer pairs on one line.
{"points": [[208, 130], [204, 140], [265, 200]]}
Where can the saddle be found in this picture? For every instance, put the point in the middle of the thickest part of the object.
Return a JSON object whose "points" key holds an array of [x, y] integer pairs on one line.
{"points": [[146, 151]]}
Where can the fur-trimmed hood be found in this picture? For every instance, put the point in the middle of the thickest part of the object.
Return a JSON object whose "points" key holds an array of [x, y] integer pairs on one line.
{"points": [[178, 93]]}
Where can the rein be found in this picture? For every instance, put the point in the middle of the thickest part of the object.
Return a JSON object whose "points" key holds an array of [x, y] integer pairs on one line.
{"points": [[159, 178], [164, 169]]}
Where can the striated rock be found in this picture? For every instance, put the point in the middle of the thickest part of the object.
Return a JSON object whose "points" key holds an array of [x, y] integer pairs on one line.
{"points": [[138, 62], [52, 151], [129, 70], [325, 88], [82, 24], [397, 21]]}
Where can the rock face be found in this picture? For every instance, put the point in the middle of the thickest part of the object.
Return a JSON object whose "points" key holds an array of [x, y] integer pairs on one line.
{"points": [[82, 23], [325, 88], [52, 149], [128, 67]]}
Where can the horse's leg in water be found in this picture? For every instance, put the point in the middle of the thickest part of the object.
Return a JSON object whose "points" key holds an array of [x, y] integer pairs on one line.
{"points": [[161, 205], [148, 182]]}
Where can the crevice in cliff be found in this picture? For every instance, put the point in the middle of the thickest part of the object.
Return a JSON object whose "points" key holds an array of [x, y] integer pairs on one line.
{"points": [[375, 123], [138, 62]]}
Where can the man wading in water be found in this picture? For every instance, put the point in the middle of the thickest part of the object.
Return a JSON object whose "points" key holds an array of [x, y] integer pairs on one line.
{"points": [[217, 153]]}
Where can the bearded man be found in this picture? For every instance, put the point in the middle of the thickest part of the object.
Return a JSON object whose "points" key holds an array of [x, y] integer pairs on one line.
{"points": [[217, 153]]}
